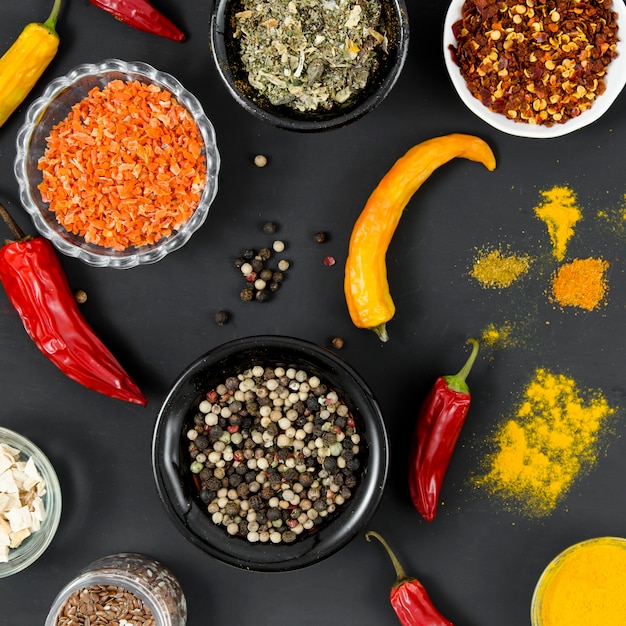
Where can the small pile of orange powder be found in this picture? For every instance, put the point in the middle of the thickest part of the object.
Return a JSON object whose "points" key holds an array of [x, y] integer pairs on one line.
{"points": [[125, 167], [581, 283]]}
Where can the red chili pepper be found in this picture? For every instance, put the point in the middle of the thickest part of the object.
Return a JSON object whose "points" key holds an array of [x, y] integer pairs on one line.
{"points": [[437, 430], [37, 287], [141, 15], [408, 596]]}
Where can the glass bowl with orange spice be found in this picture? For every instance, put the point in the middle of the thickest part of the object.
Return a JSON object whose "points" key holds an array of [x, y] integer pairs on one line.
{"points": [[117, 163], [584, 585], [537, 70]]}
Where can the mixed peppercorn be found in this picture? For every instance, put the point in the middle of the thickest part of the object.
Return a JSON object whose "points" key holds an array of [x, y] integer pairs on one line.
{"points": [[275, 453]]}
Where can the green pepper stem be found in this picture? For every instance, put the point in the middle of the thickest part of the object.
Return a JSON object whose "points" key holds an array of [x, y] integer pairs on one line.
{"points": [[17, 232], [381, 332], [401, 575], [51, 22], [457, 381]]}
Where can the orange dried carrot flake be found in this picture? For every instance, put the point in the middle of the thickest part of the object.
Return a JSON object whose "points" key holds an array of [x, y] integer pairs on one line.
{"points": [[125, 167]]}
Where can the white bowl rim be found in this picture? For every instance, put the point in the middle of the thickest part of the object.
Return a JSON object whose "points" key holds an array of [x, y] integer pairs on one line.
{"points": [[615, 80], [141, 256]]}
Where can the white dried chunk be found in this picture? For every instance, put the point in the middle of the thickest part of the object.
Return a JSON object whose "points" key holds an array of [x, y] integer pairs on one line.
{"points": [[21, 506]]}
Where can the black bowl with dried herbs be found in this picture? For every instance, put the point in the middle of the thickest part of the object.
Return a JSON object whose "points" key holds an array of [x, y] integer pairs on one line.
{"points": [[270, 453], [307, 65]]}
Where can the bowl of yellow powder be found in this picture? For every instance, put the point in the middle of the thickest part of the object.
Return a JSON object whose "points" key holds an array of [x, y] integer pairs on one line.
{"points": [[585, 585]]}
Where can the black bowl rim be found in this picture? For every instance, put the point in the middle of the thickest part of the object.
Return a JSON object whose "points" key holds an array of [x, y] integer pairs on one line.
{"points": [[192, 521], [291, 120]]}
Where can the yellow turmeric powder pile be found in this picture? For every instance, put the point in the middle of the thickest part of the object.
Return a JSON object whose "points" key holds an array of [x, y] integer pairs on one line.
{"points": [[560, 214], [581, 283], [496, 270], [584, 586], [540, 451]]}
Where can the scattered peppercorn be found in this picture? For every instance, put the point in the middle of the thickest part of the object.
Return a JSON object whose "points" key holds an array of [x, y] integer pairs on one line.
{"points": [[337, 342], [260, 160], [278, 246], [81, 296], [320, 237], [246, 294], [221, 318], [329, 261], [269, 228]]}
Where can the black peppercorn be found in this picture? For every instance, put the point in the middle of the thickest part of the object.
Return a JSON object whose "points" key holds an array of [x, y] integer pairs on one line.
{"points": [[256, 502], [202, 442], [269, 228], [248, 255], [215, 432], [320, 237], [221, 318], [247, 294], [263, 295], [266, 274], [274, 514], [265, 254]]}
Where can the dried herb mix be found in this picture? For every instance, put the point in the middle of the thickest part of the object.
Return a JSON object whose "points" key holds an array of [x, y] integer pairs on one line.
{"points": [[310, 55]]}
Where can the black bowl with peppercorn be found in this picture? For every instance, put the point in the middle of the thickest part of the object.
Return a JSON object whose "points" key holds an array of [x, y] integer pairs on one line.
{"points": [[309, 66], [270, 453]]}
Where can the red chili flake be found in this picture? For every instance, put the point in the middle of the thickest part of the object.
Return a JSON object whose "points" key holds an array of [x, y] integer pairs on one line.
{"points": [[329, 261], [251, 277]]}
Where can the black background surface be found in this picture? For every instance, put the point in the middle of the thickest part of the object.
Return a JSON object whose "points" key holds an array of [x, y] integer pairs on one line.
{"points": [[479, 562]]}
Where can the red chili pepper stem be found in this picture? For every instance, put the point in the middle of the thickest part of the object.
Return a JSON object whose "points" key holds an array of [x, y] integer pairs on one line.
{"points": [[17, 232], [401, 575], [457, 382]]}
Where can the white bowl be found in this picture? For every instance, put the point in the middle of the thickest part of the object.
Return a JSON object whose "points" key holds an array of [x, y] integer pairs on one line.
{"points": [[34, 545], [615, 79], [53, 107]]}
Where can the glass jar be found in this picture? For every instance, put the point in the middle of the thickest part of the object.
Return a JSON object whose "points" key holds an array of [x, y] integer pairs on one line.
{"points": [[140, 576]]}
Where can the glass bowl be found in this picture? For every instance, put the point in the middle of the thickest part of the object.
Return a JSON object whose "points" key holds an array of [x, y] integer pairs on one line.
{"points": [[615, 79], [176, 483], [144, 578], [595, 591], [53, 107], [35, 544], [230, 67]]}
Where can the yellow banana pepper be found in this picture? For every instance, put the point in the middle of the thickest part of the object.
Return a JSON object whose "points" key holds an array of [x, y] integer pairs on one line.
{"points": [[25, 61], [365, 283]]}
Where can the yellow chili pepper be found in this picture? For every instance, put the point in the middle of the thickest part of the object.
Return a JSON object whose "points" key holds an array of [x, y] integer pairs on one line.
{"points": [[25, 61], [365, 283]]}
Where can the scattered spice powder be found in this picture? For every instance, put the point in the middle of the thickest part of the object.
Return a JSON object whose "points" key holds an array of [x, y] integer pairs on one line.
{"points": [[496, 270], [539, 452], [581, 283], [498, 336], [125, 168], [560, 213]]}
